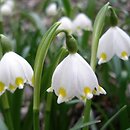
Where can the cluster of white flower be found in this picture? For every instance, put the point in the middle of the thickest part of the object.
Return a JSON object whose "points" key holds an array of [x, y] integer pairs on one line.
{"points": [[114, 42], [14, 72], [7, 8], [80, 23], [73, 77]]}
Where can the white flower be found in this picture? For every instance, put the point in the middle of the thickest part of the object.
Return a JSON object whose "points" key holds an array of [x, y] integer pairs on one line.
{"points": [[66, 24], [7, 8], [113, 42], [73, 77], [82, 22], [52, 9], [14, 72]]}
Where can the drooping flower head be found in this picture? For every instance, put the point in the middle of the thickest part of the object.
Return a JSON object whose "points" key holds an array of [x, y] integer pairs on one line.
{"points": [[113, 42], [73, 77], [7, 8], [14, 72], [52, 9], [82, 22], [66, 24]]}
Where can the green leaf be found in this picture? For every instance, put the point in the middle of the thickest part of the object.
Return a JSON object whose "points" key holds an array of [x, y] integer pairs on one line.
{"points": [[67, 7], [113, 117], [38, 67], [80, 124], [98, 27]]}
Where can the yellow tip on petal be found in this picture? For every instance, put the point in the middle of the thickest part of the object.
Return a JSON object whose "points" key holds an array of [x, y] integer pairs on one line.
{"points": [[12, 88], [101, 90], [87, 90], [2, 87], [19, 82], [124, 55], [103, 58], [62, 92], [88, 93], [49, 89]]}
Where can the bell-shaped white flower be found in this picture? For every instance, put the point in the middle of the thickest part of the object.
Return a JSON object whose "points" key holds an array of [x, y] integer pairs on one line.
{"points": [[73, 77], [52, 9], [82, 22], [7, 8], [113, 42], [15, 71], [66, 24]]}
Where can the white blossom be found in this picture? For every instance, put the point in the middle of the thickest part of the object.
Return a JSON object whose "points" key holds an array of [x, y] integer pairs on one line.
{"points": [[66, 24], [7, 8], [82, 22], [73, 77], [14, 72], [52, 9], [113, 42]]}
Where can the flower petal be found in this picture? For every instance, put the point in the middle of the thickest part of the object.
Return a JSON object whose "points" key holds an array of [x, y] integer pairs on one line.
{"points": [[122, 43], [86, 78], [66, 24], [17, 77], [25, 66], [105, 48], [52, 9], [63, 80], [82, 22]]}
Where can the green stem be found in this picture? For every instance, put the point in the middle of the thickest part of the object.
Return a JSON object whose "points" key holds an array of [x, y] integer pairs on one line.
{"points": [[36, 119], [62, 31], [87, 112], [98, 26], [48, 111], [62, 53], [7, 112]]}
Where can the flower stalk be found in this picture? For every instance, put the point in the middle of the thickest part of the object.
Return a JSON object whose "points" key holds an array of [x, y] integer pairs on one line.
{"points": [[98, 26], [7, 113]]}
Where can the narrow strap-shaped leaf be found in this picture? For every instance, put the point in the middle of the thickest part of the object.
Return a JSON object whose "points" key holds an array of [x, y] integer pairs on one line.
{"points": [[113, 117], [38, 67], [67, 7], [82, 125]]}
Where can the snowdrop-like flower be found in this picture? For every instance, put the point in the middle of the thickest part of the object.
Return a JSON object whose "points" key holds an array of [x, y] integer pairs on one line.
{"points": [[66, 24], [81, 22], [7, 8], [14, 72], [73, 77], [52, 9], [114, 42]]}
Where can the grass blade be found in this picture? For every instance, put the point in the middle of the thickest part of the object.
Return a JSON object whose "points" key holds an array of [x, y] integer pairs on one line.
{"points": [[113, 117]]}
